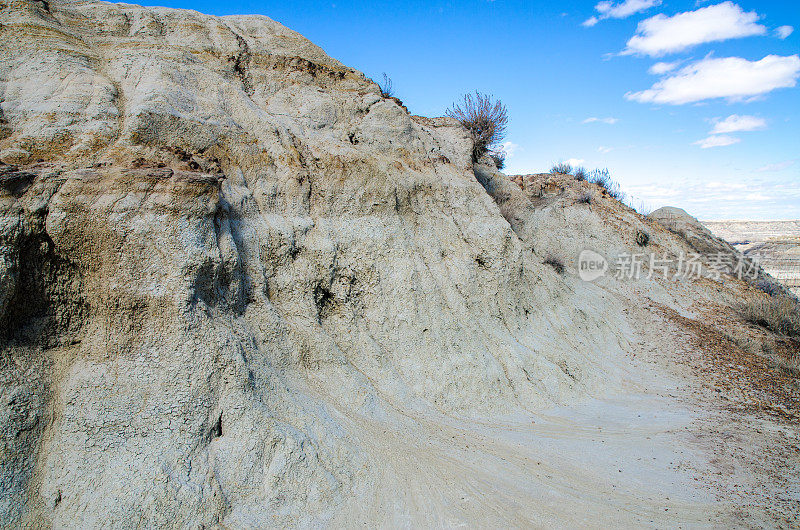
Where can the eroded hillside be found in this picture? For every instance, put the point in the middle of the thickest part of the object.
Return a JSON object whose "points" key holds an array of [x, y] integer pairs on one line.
{"points": [[240, 288]]}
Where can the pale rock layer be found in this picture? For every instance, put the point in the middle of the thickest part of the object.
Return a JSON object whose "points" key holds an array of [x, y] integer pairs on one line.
{"points": [[240, 288]]}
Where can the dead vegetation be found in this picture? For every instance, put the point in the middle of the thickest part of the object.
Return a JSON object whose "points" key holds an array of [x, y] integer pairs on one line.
{"points": [[747, 372], [561, 168], [387, 90], [484, 118], [602, 178], [779, 314], [642, 238]]}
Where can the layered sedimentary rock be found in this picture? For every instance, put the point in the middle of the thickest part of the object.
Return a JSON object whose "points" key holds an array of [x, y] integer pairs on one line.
{"points": [[776, 244], [239, 287]]}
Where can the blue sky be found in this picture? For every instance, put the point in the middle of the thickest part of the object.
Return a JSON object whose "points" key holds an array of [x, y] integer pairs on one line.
{"points": [[688, 103]]}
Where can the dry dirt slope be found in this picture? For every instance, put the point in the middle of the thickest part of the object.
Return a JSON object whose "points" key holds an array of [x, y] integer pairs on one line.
{"points": [[238, 288]]}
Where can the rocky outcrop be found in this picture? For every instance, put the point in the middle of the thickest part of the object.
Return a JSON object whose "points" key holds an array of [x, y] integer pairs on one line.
{"points": [[240, 288]]}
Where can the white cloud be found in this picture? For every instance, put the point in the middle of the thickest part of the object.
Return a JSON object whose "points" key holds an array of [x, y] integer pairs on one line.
{"points": [[736, 123], [574, 161], [717, 141], [589, 22], [610, 121], [780, 166], [725, 186], [604, 149], [783, 31], [661, 34], [622, 9], [663, 68], [509, 148], [754, 198], [733, 78]]}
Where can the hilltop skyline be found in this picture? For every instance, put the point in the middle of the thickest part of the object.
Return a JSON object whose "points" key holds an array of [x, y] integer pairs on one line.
{"points": [[689, 104]]}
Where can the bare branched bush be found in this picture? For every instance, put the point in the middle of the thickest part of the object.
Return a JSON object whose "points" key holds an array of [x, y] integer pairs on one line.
{"points": [[555, 262], [779, 314], [484, 118], [602, 177], [581, 173], [387, 90], [498, 156], [562, 168], [585, 197]]}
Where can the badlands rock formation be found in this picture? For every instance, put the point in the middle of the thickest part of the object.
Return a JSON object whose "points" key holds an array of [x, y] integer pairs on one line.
{"points": [[776, 244], [238, 288]]}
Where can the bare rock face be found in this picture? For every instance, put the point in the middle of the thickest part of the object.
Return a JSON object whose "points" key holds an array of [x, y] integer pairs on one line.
{"points": [[239, 288], [700, 237]]}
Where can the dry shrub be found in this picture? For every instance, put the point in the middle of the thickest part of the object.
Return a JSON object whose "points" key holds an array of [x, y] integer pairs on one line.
{"points": [[642, 238], [562, 168], [602, 178], [779, 314], [581, 173], [585, 197], [387, 90], [484, 118]]}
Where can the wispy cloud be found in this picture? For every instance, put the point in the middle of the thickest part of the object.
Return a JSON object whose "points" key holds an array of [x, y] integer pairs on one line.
{"points": [[661, 34], [736, 123], [610, 121], [779, 166], [753, 199], [733, 78], [717, 141], [619, 10], [509, 148], [662, 68], [783, 31], [574, 161], [603, 149]]}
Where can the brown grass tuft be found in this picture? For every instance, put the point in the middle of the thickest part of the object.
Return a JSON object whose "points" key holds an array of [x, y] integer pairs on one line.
{"points": [[779, 314]]}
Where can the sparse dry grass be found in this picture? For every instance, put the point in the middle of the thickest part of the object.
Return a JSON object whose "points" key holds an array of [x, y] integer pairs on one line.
{"points": [[789, 360], [561, 168], [779, 314], [602, 177]]}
